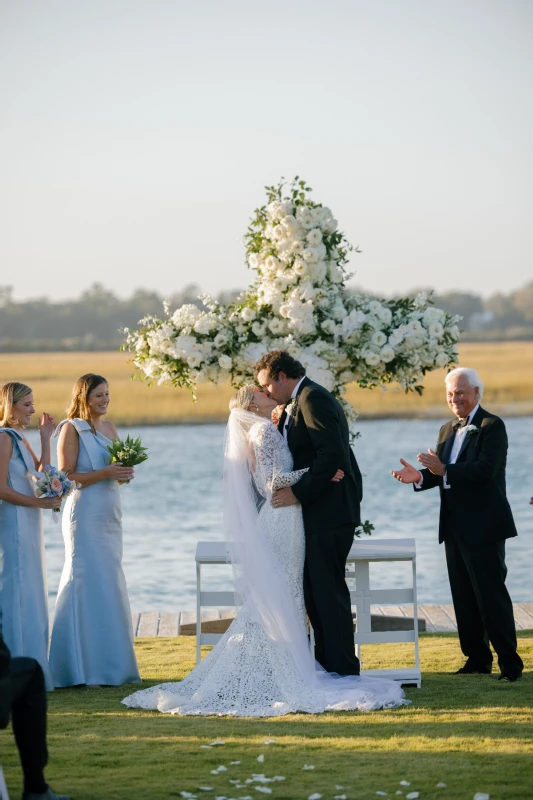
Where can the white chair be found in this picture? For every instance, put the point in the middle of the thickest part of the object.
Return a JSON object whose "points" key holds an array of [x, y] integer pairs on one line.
{"points": [[362, 554], [358, 564]]}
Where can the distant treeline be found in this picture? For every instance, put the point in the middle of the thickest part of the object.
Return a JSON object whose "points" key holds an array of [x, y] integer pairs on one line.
{"points": [[93, 321]]}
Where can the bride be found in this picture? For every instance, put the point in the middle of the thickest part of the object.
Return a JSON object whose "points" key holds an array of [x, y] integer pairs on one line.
{"points": [[263, 665]]}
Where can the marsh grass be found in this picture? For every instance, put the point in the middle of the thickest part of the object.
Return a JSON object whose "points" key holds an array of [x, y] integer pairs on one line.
{"points": [[506, 368], [472, 732]]}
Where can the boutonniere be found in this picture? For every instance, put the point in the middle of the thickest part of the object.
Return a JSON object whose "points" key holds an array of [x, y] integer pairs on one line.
{"points": [[471, 429], [292, 408]]}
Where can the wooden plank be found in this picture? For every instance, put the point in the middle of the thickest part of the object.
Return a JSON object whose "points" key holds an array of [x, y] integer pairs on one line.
{"points": [[430, 627], [524, 614], [209, 614], [227, 613], [438, 618], [395, 611], [135, 617], [187, 618], [148, 624], [385, 637], [168, 623], [528, 608], [450, 611]]}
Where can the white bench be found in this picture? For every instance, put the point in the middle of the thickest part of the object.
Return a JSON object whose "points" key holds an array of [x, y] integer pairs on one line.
{"points": [[358, 568]]}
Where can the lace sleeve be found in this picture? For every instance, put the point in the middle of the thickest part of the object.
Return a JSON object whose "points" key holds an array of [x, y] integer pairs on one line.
{"points": [[272, 460]]}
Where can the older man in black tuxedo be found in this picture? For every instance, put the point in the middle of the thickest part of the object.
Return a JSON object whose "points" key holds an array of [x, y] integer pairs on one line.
{"points": [[23, 695], [317, 434], [475, 520]]}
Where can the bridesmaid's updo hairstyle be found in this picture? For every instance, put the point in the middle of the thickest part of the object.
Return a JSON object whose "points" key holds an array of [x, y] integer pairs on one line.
{"points": [[79, 407], [10, 394], [243, 398]]}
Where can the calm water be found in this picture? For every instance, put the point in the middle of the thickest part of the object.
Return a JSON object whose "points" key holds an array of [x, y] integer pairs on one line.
{"points": [[175, 501]]}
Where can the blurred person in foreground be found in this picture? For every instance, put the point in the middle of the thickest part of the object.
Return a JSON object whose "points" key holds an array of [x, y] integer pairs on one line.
{"points": [[23, 695], [468, 466]]}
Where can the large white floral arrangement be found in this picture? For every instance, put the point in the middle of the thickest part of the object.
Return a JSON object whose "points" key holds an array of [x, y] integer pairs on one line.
{"points": [[298, 302]]}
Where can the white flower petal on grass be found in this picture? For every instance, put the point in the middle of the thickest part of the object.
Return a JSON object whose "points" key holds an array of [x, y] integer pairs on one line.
{"points": [[481, 796], [205, 788], [412, 795], [278, 778], [188, 795], [339, 787], [261, 758], [206, 747], [268, 741], [217, 742], [399, 791], [441, 785], [234, 763], [405, 783], [222, 768], [308, 766], [382, 794], [314, 796], [340, 797], [263, 789]]}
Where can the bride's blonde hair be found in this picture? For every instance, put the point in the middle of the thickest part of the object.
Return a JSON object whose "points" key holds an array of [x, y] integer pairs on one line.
{"points": [[243, 398]]}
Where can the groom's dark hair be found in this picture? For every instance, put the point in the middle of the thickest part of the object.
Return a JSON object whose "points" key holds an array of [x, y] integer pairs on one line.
{"points": [[277, 361]]}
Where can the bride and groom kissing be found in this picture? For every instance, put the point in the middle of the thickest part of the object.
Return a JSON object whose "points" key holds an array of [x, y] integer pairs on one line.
{"points": [[292, 498]]}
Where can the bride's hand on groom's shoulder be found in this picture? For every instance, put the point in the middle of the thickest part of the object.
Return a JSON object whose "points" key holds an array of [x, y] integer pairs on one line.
{"points": [[408, 474]]}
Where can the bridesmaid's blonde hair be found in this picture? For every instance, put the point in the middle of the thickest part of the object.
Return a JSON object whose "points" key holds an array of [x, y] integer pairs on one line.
{"points": [[10, 394], [243, 398], [79, 407]]}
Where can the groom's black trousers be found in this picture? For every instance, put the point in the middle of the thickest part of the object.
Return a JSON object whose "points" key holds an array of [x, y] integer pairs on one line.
{"points": [[327, 598]]}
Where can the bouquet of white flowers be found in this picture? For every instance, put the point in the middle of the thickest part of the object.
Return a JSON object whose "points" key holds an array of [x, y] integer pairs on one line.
{"points": [[298, 303], [128, 452], [54, 483]]}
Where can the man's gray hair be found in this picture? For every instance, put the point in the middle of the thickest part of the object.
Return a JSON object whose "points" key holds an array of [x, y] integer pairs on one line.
{"points": [[471, 376]]}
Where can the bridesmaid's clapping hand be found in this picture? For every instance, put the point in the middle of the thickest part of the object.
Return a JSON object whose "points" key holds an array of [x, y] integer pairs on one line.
{"points": [[46, 426]]}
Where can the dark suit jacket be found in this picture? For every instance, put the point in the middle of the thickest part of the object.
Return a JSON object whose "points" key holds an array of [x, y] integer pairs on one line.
{"points": [[319, 438], [476, 505], [5, 683]]}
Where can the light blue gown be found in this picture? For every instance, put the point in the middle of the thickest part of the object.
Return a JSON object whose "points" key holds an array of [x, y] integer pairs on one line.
{"points": [[23, 593], [92, 635]]}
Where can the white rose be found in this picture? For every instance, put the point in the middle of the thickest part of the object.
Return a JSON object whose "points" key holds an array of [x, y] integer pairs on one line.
{"points": [[372, 359], [442, 359], [220, 339], [435, 330], [254, 260], [378, 338], [276, 325], [314, 237], [225, 362], [328, 326], [259, 328], [272, 263], [248, 314], [300, 267], [386, 354]]}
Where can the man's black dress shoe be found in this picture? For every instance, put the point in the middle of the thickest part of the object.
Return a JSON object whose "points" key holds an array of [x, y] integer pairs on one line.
{"points": [[474, 669], [510, 676], [48, 795]]}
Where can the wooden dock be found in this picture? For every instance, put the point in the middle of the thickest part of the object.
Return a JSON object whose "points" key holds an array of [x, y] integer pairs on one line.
{"points": [[432, 619]]}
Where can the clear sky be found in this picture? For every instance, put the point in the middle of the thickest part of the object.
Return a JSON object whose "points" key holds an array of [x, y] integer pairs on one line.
{"points": [[137, 137]]}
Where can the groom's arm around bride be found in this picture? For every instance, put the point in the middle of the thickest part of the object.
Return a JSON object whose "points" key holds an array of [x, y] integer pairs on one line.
{"points": [[317, 434]]}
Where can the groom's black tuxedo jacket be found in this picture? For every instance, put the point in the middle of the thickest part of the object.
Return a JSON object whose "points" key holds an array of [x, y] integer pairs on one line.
{"points": [[475, 506], [319, 438]]}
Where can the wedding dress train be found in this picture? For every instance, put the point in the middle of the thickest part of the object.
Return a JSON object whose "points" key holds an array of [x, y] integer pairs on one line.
{"points": [[263, 665]]}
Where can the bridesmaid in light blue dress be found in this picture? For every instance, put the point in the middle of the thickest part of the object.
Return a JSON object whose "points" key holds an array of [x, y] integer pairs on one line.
{"points": [[92, 635], [23, 592]]}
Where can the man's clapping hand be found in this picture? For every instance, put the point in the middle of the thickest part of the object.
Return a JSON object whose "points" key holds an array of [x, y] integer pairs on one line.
{"points": [[408, 474], [431, 461]]}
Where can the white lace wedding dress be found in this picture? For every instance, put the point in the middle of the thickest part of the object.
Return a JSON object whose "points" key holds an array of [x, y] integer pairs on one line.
{"points": [[254, 670]]}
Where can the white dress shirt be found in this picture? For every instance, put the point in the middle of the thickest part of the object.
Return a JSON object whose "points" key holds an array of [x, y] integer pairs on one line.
{"points": [[460, 434], [293, 395]]}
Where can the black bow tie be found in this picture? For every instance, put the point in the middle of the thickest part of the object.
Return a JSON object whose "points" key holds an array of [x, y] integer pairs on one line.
{"points": [[459, 423]]}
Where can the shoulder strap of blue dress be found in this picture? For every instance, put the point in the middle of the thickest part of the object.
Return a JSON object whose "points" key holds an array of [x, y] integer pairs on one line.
{"points": [[88, 438], [18, 441]]}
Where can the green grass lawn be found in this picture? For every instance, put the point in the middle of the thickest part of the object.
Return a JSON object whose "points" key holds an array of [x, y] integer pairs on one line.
{"points": [[473, 733]]}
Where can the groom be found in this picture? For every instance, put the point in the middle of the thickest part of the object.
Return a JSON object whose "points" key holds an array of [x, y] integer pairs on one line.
{"points": [[316, 430]]}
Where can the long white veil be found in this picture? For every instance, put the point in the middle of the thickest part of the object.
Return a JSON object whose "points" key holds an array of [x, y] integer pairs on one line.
{"points": [[260, 583], [258, 579]]}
